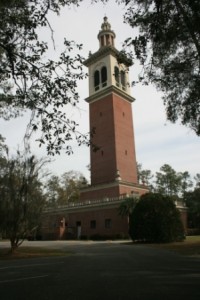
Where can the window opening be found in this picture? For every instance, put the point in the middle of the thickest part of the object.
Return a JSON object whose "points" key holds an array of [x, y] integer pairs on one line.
{"points": [[107, 39], [102, 41], [108, 223], [96, 80], [117, 76], [104, 76], [112, 40], [123, 80], [93, 224]]}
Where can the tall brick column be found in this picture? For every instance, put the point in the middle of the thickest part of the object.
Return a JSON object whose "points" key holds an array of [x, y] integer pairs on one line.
{"points": [[113, 166]]}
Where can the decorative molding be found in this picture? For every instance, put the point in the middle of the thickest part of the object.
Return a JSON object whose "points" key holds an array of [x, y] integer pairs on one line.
{"points": [[102, 186], [107, 91], [87, 205], [104, 51], [97, 204]]}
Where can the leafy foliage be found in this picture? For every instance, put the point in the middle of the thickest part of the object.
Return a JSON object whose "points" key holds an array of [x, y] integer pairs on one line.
{"points": [[64, 189], [22, 198], [192, 200], [144, 176], [166, 181], [180, 186], [197, 179], [156, 219], [31, 81], [168, 47], [127, 206]]}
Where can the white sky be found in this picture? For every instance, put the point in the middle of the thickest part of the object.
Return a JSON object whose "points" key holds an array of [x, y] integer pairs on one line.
{"points": [[157, 141]]}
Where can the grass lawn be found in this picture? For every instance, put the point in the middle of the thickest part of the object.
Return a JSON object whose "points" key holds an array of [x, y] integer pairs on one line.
{"points": [[31, 252], [191, 246]]}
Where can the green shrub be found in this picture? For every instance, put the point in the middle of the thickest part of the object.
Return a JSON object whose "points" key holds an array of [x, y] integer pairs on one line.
{"points": [[156, 219], [84, 237]]}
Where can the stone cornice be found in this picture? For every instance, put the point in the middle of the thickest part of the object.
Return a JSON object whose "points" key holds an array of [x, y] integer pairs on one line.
{"points": [[99, 204], [100, 186], [86, 205], [136, 186], [106, 91], [104, 51]]}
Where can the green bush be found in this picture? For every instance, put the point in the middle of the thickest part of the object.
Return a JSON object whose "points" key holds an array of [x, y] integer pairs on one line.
{"points": [[156, 219], [113, 237], [83, 237]]}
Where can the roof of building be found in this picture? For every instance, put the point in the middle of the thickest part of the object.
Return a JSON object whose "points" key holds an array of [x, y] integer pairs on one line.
{"points": [[107, 48]]}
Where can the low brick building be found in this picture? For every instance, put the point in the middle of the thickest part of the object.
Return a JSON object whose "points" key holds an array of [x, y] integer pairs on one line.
{"points": [[90, 219]]}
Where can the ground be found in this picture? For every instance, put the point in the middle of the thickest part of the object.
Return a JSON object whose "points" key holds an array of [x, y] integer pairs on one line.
{"points": [[100, 270]]}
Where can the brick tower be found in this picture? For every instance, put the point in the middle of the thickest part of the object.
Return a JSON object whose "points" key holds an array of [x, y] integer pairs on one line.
{"points": [[113, 166]]}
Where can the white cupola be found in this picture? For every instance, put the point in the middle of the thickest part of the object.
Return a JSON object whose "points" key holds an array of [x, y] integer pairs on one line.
{"points": [[108, 68], [106, 36]]}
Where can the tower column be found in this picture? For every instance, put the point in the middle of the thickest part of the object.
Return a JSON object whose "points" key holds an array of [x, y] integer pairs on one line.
{"points": [[113, 166]]}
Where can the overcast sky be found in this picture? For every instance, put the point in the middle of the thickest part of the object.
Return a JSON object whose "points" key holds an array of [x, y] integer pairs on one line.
{"points": [[157, 141]]}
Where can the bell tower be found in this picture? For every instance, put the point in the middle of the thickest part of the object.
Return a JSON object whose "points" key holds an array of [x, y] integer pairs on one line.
{"points": [[113, 165]]}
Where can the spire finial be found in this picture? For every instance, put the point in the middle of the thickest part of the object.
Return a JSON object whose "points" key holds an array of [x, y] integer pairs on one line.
{"points": [[106, 36], [105, 25]]}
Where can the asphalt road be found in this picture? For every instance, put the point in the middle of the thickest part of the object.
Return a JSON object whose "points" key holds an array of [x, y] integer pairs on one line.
{"points": [[101, 270]]}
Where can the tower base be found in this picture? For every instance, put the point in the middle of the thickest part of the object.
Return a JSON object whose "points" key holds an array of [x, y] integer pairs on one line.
{"points": [[112, 190]]}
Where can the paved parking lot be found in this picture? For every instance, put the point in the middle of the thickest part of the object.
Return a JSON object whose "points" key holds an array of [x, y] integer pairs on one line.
{"points": [[101, 270]]}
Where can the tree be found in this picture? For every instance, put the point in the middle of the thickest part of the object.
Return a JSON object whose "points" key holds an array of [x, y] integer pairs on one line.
{"points": [[172, 183], [145, 176], [53, 189], [168, 182], [197, 179], [156, 219], [192, 200], [30, 81], [64, 189], [22, 198], [186, 182], [168, 47], [127, 206], [72, 182], [3, 147]]}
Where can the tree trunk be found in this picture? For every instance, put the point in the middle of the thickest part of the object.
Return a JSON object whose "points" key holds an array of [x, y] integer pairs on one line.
{"points": [[14, 244]]}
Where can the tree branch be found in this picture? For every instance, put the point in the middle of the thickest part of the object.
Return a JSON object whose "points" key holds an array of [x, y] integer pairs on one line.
{"points": [[188, 25]]}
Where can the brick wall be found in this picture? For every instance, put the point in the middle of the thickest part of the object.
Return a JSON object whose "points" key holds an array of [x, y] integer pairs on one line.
{"points": [[111, 117], [104, 222]]}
